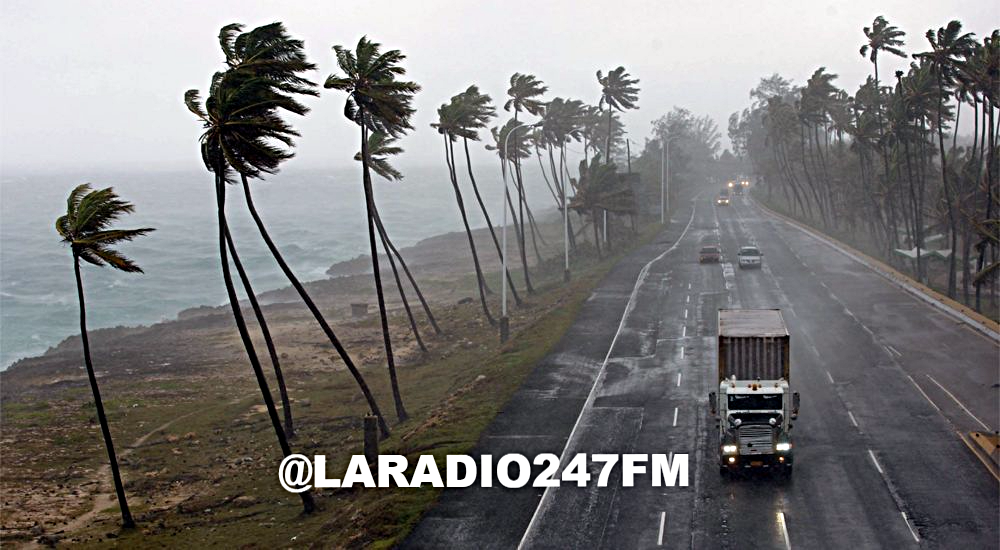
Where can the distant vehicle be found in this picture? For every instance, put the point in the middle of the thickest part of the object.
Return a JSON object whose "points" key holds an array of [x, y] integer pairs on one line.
{"points": [[709, 254], [754, 405], [749, 256], [723, 198]]}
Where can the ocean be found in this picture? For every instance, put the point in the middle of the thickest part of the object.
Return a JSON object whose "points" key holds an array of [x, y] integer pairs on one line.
{"points": [[316, 217]]}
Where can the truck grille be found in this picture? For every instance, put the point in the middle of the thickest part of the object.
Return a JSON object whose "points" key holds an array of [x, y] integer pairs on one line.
{"points": [[755, 440]]}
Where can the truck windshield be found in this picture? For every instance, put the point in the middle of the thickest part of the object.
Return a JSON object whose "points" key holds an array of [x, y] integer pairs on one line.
{"points": [[755, 402]]}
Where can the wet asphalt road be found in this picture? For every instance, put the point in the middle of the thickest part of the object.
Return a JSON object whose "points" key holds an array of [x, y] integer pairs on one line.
{"points": [[886, 382]]}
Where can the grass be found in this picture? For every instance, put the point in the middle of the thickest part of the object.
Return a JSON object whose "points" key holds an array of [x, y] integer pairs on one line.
{"points": [[208, 478]]}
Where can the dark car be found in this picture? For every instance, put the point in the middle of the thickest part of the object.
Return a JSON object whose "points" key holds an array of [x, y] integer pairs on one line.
{"points": [[709, 254]]}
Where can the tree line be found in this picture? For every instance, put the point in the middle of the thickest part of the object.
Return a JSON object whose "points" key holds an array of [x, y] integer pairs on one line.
{"points": [[889, 166], [246, 136]]}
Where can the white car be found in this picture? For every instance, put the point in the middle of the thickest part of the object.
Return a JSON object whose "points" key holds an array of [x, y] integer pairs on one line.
{"points": [[749, 256]]}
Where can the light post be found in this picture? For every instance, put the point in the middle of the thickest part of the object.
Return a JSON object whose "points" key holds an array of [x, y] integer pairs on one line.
{"points": [[664, 178], [504, 320], [565, 192]]}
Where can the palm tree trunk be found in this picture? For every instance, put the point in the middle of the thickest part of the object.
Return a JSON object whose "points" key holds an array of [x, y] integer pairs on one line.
{"points": [[127, 521], [449, 152], [523, 205], [399, 286], [397, 399], [308, 505], [607, 142], [949, 200], [520, 220], [320, 319], [416, 288], [597, 236], [266, 333], [489, 223]]}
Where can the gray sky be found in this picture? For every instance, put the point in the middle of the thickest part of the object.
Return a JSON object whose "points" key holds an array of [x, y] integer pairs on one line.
{"points": [[99, 83]]}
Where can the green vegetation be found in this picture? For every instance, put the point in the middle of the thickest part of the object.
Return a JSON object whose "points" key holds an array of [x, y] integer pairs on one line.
{"points": [[887, 169]]}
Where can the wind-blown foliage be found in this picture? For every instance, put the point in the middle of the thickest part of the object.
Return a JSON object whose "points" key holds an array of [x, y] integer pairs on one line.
{"points": [[87, 228]]}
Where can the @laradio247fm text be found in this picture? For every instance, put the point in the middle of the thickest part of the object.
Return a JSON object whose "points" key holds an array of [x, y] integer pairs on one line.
{"points": [[297, 473]]}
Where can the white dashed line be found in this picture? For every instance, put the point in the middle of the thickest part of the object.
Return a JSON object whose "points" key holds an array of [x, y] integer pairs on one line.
{"points": [[921, 390], [784, 530], [689, 286], [682, 352], [853, 420], [687, 300], [830, 377], [685, 314], [675, 416], [684, 331], [894, 350], [959, 403], [678, 379], [663, 521], [877, 465], [910, 527]]}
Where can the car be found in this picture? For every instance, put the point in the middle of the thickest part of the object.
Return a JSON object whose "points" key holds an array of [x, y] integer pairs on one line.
{"points": [[749, 257], [722, 200], [709, 254]]}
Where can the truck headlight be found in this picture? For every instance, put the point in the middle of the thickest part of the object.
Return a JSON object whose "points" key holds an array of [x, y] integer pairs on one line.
{"points": [[729, 449], [783, 446]]}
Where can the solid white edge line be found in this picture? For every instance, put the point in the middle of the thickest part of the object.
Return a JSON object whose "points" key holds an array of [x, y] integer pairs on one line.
{"points": [[784, 530], [600, 374], [675, 416], [663, 520], [830, 377], [955, 399], [875, 460]]}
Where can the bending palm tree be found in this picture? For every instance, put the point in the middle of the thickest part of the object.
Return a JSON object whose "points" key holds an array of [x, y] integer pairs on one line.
{"points": [[376, 102], [381, 146], [86, 227], [448, 126], [523, 92], [476, 112], [618, 91], [275, 60]]}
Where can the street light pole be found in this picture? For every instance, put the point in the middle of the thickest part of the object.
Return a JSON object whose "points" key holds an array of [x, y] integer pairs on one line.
{"points": [[565, 191], [504, 319], [663, 180]]}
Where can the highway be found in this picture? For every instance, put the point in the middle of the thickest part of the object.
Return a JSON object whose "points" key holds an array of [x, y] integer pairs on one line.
{"points": [[886, 383]]}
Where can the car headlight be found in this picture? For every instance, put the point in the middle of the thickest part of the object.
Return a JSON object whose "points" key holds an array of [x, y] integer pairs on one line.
{"points": [[729, 449], [783, 446]]}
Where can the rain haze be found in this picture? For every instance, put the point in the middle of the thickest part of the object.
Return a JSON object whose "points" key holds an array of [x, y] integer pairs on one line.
{"points": [[99, 84], [589, 320]]}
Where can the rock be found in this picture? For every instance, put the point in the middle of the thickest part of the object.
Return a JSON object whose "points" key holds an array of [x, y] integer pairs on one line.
{"points": [[466, 300], [190, 435], [171, 438], [304, 403], [244, 501]]}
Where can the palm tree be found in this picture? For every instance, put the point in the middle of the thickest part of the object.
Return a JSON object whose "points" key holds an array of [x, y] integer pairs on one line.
{"points": [[449, 126], [239, 121], [476, 112], [272, 61], [618, 92], [380, 147], [377, 102], [523, 93], [87, 228], [948, 46]]}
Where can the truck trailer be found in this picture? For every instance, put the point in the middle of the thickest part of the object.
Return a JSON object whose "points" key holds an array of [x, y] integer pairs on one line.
{"points": [[754, 406]]}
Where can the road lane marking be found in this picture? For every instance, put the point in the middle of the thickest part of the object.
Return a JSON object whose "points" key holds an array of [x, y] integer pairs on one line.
{"points": [[830, 376], [682, 352], [678, 379], [889, 351], [689, 286], [629, 306], [910, 527], [684, 331], [784, 530], [663, 521], [675, 416], [894, 350], [921, 390], [955, 399], [685, 313], [853, 420], [877, 465], [687, 299]]}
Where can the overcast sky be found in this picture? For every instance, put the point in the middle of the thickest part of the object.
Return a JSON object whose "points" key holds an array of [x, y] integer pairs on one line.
{"points": [[99, 83]]}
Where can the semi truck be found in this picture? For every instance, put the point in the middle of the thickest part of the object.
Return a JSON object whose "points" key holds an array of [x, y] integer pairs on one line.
{"points": [[754, 406]]}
